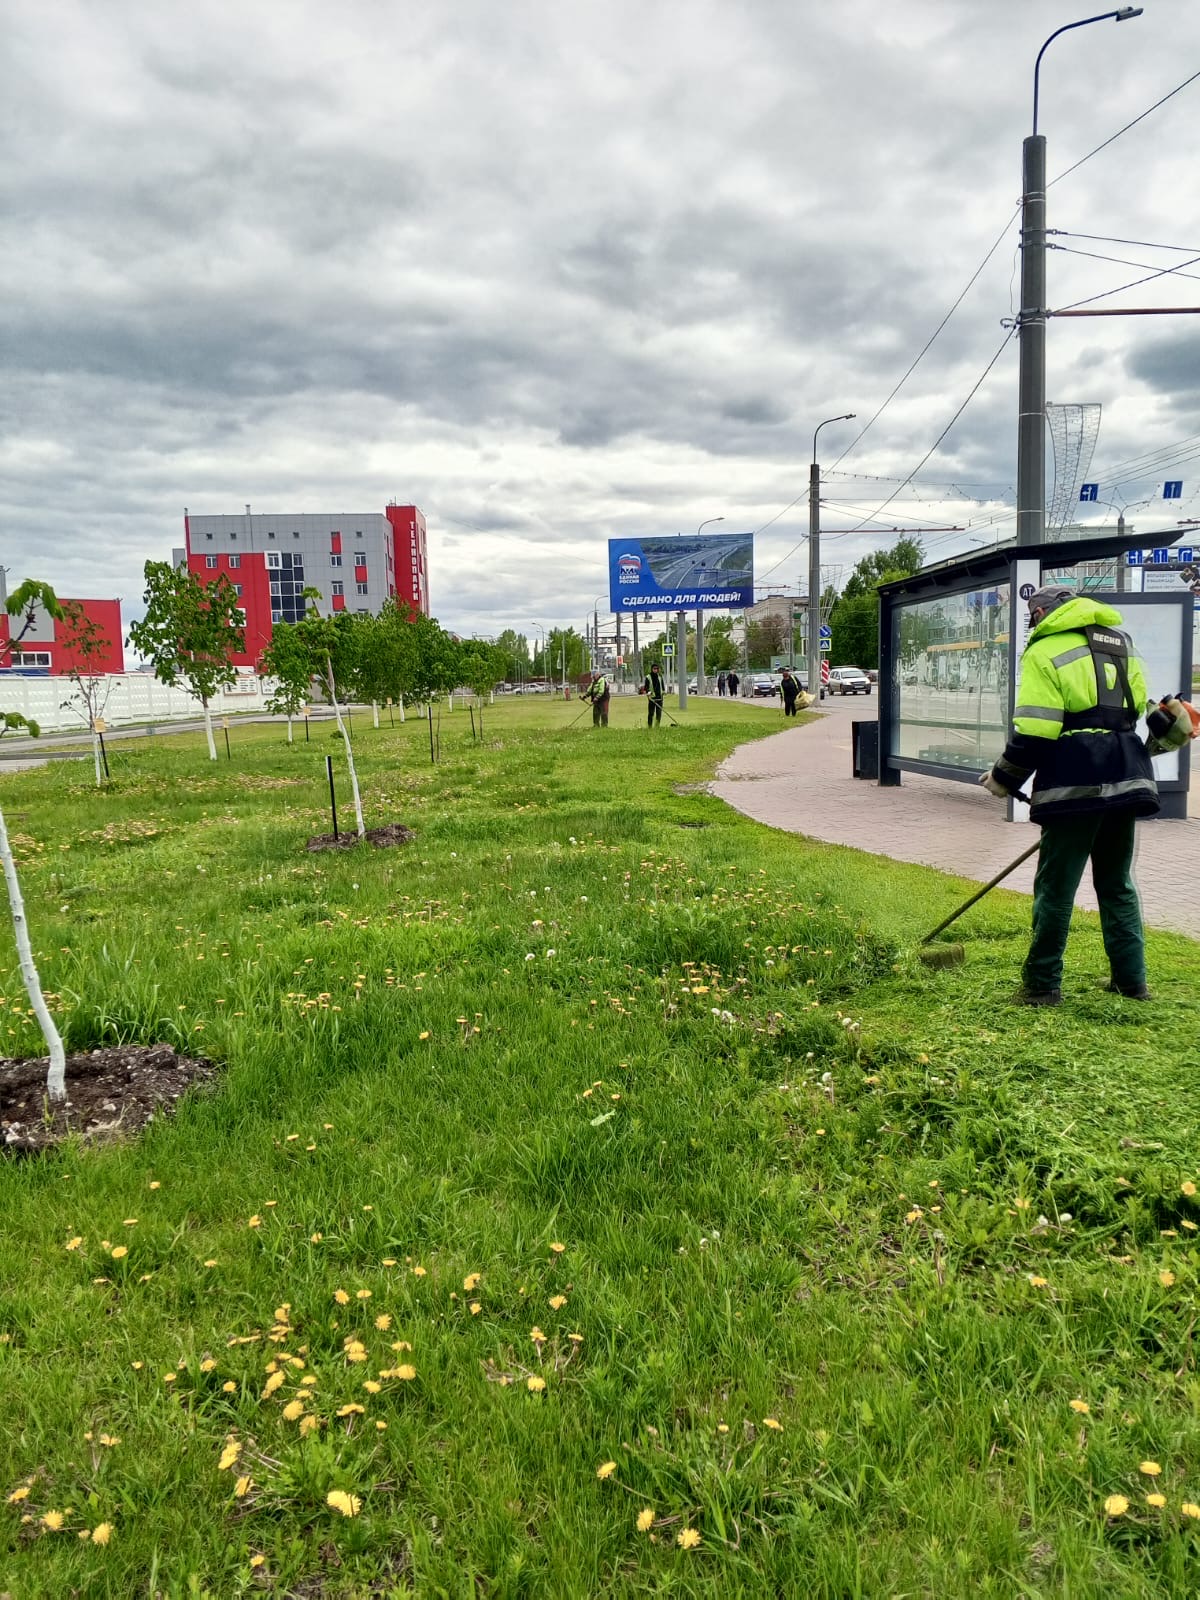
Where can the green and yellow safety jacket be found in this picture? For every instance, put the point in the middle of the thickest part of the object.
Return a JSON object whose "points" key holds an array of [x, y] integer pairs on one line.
{"points": [[1081, 692]]}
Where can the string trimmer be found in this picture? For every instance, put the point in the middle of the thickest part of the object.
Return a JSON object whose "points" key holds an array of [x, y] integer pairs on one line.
{"points": [[953, 955]]}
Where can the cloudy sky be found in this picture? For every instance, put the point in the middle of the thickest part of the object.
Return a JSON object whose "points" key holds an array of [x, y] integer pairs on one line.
{"points": [[563, 272]]}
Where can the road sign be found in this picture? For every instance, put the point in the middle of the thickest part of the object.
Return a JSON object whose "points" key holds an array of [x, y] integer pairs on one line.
{"points": [[668, 649], [1089, 491], [825, 646], [1173, 489], [826, 631], [824, 672]]}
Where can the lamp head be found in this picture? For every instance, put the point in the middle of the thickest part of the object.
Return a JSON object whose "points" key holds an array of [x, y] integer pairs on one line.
{"points": [[1124, 14]]}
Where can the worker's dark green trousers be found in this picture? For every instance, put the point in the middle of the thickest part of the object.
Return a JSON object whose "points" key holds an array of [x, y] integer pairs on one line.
{"points": [[1068, 843]]}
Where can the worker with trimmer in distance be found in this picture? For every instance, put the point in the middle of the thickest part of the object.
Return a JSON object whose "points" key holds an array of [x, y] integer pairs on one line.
{"points": [[1082, 690], [598, 693]]}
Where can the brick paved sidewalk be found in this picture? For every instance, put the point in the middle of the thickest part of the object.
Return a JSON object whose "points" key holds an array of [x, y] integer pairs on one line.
{"points": [[800, 780]]}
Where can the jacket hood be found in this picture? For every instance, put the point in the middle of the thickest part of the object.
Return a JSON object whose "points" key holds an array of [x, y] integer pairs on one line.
{"points": [[1073, 615]]}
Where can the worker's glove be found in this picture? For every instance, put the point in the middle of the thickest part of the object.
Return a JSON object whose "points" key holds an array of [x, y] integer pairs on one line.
{"points": [[1170, 726], [989, 781]]}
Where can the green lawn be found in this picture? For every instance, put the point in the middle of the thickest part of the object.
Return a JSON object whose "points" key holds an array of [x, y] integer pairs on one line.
{"points": [[599, 1198]]}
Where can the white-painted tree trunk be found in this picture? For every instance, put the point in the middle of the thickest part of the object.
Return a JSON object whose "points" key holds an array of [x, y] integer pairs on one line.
{"points": [[212, 744], [96, 754], [289, 730], [375, 711], [400, 703], [56, 1078], [337, 711]]}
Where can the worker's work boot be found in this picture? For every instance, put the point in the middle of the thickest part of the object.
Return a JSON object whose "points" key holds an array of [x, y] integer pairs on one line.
{"points": [[1135, 991], [1029, 997]]}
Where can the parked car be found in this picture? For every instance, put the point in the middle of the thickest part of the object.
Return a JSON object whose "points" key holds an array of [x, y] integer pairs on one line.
{"points": [[873, 674], [848, 680], [764, 688]]}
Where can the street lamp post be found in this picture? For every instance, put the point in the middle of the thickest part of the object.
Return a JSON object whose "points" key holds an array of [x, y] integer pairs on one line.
{"points": [[543, 632], [1031, 324], [814, 561], [700, 625]]}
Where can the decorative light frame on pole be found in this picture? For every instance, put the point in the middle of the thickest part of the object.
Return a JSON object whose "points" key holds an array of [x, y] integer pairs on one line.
{"points": [[1031, 322], [814, 560]]}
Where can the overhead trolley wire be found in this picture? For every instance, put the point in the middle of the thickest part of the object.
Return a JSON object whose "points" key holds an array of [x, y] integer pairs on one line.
{"points": [[1114, 136]]}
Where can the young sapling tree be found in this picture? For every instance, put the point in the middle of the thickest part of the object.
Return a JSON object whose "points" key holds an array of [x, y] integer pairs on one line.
{"points": [[189, 633], [86, 647], [288, 662]]}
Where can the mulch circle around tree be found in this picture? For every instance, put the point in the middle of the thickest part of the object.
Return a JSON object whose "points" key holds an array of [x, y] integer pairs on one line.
{"points": [[381, 838], [112, 1093]]}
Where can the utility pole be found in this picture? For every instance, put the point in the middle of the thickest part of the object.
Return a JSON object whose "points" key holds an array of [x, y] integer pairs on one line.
{"points": [[681, 657], [700, 652], [1031, 337], [814, 562]]}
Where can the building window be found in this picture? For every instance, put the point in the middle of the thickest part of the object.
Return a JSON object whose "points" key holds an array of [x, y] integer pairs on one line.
{"points": [[237, 589], [233, 535], [361, 587], [295, 533], [338, 587], [360, 558], [335, 561], [210, 561], [335, 542], [27, 658], [235, 561], [270, 536], [276, 616], [208, 536], [275, 586], [273, 559]]}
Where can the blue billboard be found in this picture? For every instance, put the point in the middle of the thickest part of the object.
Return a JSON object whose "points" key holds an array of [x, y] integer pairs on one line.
{"points": [[686, 572]]}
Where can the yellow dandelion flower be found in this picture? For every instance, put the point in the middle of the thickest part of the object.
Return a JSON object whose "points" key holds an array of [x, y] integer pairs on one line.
{"points": [[102, 1533], [53, 1520], [156, 1184], [383, 1322], [1156, 1500], [255, 1222], [774, 1423], [382, 1426], [210, 1263], [371, 1386], [606, 1469], [275, 1381], [537, 1336], [1081, 1406], [1166, 1279], [1036, 1282], [535, 1385], [1116, 1505], [645, 1520], [1190, 1510], [352, 1410], [557, 1248], [389, 1261], [130, 1222], [229, 1388], [687, 1538], [342, 1298], [119, 1251], [419, 1272], [475, 1308], [84, 1533], [424, 1035], [207, 1364], [315, 1238], [21, 1493], [1151, 1469], [169, 1377], [1187, 1187], [229, 1455], [356, 1353], [557, 1302], [73, 1244], [258, 1561], [293, 1410], [348, 1504], [406, 1373], [402, 1344], [471, 1281], [362, 1294], [309, 1423], [243, 1486]]}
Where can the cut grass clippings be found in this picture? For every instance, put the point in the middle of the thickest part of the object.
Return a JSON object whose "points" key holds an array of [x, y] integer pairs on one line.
{"points": [[589, 1203]]}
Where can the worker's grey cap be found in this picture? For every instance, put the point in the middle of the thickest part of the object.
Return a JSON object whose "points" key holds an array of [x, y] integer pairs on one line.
{"points": [[1047, 600]]}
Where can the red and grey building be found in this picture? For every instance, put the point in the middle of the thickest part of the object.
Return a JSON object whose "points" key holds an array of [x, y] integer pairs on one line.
{"points": [[45, 648], [356, 561]]}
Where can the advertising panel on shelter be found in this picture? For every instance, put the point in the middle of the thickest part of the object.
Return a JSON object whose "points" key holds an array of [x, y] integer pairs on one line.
{"points": [[684, 572]]}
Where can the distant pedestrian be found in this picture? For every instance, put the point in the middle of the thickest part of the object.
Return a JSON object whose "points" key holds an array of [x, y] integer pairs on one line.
{"points": [[722, 683], [653, 688], [791, 689], [598, 695], [731, 683]]}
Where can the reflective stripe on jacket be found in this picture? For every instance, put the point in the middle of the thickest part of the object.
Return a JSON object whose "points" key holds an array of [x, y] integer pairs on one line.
{"points": [[1076, 732]]}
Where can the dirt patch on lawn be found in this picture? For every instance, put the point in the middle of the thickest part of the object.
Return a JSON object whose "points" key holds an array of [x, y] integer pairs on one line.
{"points": [[381, 838], [111, 1093]]}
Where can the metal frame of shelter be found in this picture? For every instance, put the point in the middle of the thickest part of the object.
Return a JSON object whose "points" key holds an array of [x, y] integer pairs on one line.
{"points": [[1017, 566]]}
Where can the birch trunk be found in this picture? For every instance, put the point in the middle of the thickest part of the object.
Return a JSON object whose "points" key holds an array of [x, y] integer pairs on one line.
{"points": [[375, 711], [96, 754], [56, 1078], [212, 744], [337, 711], [400, 703], [289, 729]]}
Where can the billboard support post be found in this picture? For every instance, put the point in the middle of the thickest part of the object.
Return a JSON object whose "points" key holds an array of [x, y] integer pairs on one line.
{"points": [[681, 657], [700, 652], [637, 654]]}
